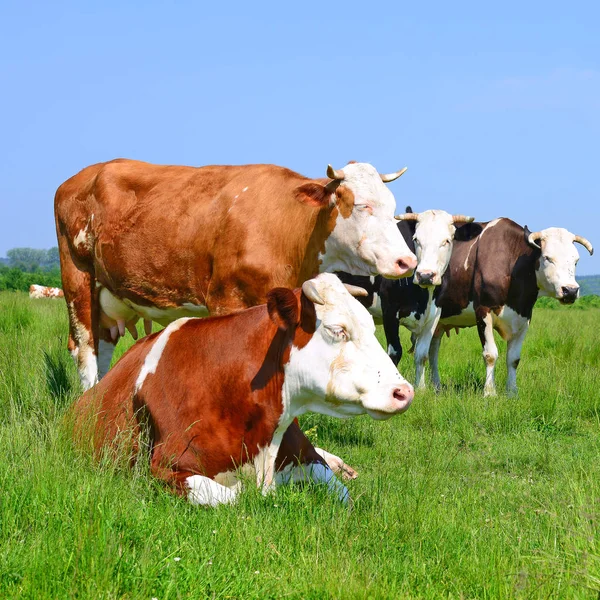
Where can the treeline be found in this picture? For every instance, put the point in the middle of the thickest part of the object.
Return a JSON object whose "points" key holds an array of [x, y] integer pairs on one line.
{"points": [[590, 284], [23, 267]]}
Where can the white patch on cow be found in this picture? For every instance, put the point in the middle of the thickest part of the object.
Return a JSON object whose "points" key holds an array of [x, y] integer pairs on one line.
{"points": [[84, 356], [490, 356], [316, 473], [466, 263], [343, 370], [375, 309], [513, 328], [491, 224], [264, 461], [164, 316], [207, 492], [368, 241], [557, 263], [434, 239], [153, 356], [83, 238], [245, 189], [105, 352]]}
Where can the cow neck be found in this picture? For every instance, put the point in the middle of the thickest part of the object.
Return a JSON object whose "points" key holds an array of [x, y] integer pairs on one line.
{"points": [[321, 227]]}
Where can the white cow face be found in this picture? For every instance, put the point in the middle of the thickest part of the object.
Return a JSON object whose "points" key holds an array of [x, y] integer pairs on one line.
{"points": [[343, 370], [365, 239], [556, 272], [434, 238]]}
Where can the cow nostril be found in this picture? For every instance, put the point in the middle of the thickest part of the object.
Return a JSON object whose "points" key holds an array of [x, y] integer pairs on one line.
{"points": [[407, 264]]}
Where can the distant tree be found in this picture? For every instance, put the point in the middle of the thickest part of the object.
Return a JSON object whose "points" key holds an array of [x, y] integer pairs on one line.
{"points": [[26, 259], [52, 260]]}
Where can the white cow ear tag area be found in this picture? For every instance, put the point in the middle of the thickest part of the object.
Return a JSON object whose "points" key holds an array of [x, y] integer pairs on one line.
{"points": [[283, 307]]}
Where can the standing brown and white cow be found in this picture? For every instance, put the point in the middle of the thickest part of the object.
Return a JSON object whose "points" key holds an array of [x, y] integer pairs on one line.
{"points": [[160, 242], [156, 242], [217, 395]]}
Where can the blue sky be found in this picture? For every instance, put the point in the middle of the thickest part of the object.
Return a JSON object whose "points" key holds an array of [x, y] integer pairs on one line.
{"points": [[494, 108]]}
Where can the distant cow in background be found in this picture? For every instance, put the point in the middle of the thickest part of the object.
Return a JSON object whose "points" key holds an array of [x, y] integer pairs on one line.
{"points": [[218, 394], [41, 291]]}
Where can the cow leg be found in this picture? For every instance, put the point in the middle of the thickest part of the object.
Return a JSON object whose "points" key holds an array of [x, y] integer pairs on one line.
{"points": [[391, 328], [434, 353], [207, 492], [317, 473], [105, 353], [485, 328], [81, 298], [513, 357], [298, 460], [424, 337], [336, 464]]}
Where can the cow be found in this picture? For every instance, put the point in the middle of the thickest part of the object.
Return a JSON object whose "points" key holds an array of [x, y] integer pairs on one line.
{"points": [[431, 235], [41, 291], [215, 396], [159, 242], [497, 271]]}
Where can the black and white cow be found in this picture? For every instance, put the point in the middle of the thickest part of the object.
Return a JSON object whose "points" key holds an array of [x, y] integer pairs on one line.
{"points": [[493, 282], [430, 235]]}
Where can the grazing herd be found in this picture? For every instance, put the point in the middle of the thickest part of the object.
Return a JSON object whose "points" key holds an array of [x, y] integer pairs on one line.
{"points": [[255, 247]]}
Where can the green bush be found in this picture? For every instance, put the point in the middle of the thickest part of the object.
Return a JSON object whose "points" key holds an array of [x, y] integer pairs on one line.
{"points": [[17, 280]]}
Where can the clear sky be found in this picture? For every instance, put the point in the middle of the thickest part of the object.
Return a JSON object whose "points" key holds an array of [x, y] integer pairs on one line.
{"points": [[494, 107]]}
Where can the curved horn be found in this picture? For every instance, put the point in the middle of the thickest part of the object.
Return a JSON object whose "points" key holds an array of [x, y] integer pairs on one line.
{"points": [[310, 291], [533, 237], [407, 217], [335, 173], [355, 290], [462, 219], [585, 243], [392, 176]]}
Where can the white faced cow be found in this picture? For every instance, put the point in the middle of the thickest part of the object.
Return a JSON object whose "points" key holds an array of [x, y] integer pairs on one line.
{"points": [[217, 395]]}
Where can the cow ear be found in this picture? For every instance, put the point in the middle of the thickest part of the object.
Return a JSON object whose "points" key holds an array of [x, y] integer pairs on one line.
{"points": [[283, 307], [313, 194]]}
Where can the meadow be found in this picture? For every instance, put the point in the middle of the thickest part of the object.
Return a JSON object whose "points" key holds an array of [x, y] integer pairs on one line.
{"points": [[460, 497]]}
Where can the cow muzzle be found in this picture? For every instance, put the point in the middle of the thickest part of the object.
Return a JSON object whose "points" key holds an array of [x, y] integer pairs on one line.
{"points": [[569, 294], [426, 278], [400, 398]]}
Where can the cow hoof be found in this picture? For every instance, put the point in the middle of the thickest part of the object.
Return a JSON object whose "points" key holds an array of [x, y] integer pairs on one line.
{"points": [[348, 473]]}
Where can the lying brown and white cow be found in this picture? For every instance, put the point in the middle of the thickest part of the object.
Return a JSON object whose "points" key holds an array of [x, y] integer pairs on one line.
{"points": [[218, 394], [41, 291]]}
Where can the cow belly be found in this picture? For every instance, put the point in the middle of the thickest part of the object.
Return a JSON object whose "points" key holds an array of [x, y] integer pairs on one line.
{"points": [[465, 319], [117, 309]]}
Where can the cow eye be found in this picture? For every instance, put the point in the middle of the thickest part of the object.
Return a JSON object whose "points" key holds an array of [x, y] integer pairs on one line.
{"points": [[363, 207], [338, 333], [445, 242]]}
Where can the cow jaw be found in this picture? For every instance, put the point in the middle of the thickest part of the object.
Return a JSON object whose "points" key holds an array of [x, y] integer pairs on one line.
{"points": [[556, 271], [365, 239], [434, 236], [343, 371]]}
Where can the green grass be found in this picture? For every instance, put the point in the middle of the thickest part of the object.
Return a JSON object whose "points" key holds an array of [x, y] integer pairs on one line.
{"points": [[461, 497]]}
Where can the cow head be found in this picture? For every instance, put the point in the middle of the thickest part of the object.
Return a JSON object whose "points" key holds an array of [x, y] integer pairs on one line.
{"points": [[364, 239], [434, 238], [340, 369], [555, 272]]}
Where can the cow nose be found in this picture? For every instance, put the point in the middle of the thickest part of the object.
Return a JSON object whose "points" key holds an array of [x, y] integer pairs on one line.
{"points": [[425, 277], [569, 293], [407, 264], [403, 395]]}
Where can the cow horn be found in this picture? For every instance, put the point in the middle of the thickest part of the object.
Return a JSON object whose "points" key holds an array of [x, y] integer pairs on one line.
{"points": [[335, 173], [585, 243], [407, 217], [533, 237], [462, 219], [310, 291], [392, 176], [356, 290]]}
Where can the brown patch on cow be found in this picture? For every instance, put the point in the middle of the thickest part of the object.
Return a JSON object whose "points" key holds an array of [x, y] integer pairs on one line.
{"points": [[214, 400], [345, 201]]}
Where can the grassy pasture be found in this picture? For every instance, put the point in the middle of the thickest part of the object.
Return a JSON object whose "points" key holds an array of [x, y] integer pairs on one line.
{"points": [[461, 497]]}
